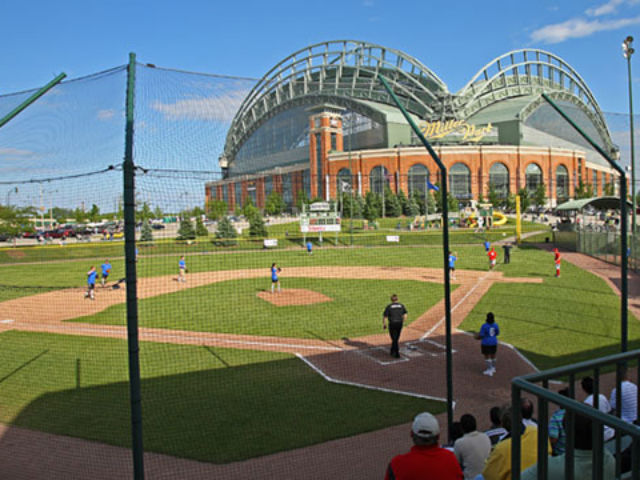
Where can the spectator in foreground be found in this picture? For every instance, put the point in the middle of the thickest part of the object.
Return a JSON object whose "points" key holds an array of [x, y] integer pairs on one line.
{"points": [[582, 457], [497, 431], [557, 432], [498, 465], [603, 404], [425, 459], [472, 449], [629, 403]]}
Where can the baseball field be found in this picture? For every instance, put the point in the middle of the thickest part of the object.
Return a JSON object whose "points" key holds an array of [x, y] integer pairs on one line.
{"points": [[231, 371]]}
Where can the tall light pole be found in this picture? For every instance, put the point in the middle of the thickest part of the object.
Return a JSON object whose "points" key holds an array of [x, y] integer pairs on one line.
{"points": [[627, 51]]}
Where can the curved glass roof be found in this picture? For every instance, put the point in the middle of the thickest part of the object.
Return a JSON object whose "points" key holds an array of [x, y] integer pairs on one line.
{"points": [[345, 73]]}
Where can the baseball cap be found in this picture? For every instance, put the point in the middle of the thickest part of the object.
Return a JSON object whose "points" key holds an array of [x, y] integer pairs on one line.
{"points": [[425, 425]]}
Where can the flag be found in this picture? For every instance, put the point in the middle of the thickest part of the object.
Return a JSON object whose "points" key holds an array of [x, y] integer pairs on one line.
{"points": [[431, 186]]}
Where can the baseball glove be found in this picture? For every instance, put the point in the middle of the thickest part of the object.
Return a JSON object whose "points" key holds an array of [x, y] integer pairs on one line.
{"points": [[279, 269]]}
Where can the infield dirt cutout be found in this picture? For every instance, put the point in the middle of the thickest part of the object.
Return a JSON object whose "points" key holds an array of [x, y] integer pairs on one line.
{"points": [[293, 296]]}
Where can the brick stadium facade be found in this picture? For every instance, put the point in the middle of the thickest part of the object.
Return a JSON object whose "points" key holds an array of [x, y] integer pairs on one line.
{"points": [[306, 134]]}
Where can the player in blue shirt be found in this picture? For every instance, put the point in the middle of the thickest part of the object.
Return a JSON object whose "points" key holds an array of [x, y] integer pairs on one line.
{"points": [[309, 247], [488, 336], [106, 270], [91, 283], [182, 269], [274, 277], [487, 245], [452, 265]]}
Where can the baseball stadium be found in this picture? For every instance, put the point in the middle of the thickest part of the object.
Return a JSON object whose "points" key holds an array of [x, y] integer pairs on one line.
{"points": [[319, 122], [167, 311]]}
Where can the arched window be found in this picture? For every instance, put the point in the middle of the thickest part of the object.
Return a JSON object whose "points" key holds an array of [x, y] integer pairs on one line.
{"points": [[378, 177], [562, 184], [418, 176], [460, 180], [499, 179], [344, 181], [533, 177]]}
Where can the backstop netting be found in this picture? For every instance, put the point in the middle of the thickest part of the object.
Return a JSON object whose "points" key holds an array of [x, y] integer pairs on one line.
{"points": [[262, 347]]}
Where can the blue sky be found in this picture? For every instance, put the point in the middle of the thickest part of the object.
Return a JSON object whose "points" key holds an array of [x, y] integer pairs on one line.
{"points": [[453, 39]]}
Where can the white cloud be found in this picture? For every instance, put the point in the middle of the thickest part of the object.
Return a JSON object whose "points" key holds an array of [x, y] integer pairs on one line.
{"points": [[209, 108], [15, 152], [105, 114], [578, 28], [605, 9]]}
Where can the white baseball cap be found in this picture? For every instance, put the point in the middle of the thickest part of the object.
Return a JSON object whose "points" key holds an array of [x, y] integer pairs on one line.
{"points": [[425, 425]]}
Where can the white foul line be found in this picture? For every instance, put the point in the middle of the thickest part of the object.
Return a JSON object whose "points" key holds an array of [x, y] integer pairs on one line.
{"points": [[369, 387], [437, 325]]}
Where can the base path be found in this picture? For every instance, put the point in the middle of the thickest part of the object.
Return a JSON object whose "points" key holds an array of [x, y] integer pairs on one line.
{"points": [[363, 361]]}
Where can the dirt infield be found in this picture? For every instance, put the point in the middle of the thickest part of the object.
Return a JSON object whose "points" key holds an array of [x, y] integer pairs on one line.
{"points": [[362, 361]]}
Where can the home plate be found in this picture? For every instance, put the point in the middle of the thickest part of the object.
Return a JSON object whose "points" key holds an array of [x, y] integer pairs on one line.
{"points": [[7, 321]]}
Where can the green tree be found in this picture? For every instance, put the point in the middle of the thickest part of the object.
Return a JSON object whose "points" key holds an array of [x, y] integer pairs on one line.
{"points": [[372, 206], [275, 204], [14, 221], [493, 197], [216, 209], [146, 234], [392, 206], [257, 228], [145, 212], [94, 213], [79, 215], [157, 213], [201, 230], [404, 202], [197, 212], [540, 195], [249, 210], [225, 229], [413, 210], [186, 231], [510, 202]]}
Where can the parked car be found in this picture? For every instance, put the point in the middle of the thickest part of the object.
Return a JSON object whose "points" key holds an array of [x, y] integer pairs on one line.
{"points": [[157, 226]]}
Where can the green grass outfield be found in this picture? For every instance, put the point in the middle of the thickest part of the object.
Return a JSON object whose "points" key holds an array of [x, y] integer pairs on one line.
{"points": [[233, 307], [210, 404]]}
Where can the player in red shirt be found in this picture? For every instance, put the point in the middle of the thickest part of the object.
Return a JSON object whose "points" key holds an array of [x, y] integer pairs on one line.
{"points": [[492, 258], [557, 261], [425, 459]]}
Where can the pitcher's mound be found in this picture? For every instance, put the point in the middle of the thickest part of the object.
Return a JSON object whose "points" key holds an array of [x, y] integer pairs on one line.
{"points": [[293, 296]]}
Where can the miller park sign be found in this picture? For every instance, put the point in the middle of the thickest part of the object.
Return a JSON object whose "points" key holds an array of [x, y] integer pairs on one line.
{"points": [[459, 129]]}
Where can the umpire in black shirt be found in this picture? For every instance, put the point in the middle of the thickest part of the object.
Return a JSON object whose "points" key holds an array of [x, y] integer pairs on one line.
{"points": [[394, 314]]}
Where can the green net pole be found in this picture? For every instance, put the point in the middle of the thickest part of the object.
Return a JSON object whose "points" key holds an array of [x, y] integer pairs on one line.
{"points": [[31, 99], [445, 247], [131, 274], [624, 220]]}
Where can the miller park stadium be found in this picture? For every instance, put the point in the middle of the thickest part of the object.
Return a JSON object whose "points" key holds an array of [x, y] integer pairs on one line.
{"points": [[320, 123]]}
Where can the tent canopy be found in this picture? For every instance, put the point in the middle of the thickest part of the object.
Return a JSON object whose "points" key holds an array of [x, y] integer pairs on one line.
{"points": [[599, 203]]}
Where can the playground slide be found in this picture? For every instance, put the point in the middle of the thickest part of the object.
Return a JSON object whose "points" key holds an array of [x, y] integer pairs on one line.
{"points": [[501, 219]]}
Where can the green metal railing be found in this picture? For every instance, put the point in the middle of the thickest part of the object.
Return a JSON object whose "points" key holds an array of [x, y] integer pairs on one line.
{"points": [[537, 384]]}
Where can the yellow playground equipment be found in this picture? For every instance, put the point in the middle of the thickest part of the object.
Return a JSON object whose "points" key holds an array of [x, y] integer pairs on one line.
{"points": [[499, 219]]}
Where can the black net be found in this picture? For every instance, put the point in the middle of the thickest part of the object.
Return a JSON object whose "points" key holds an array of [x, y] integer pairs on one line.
{"points": [[262, 347]]}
